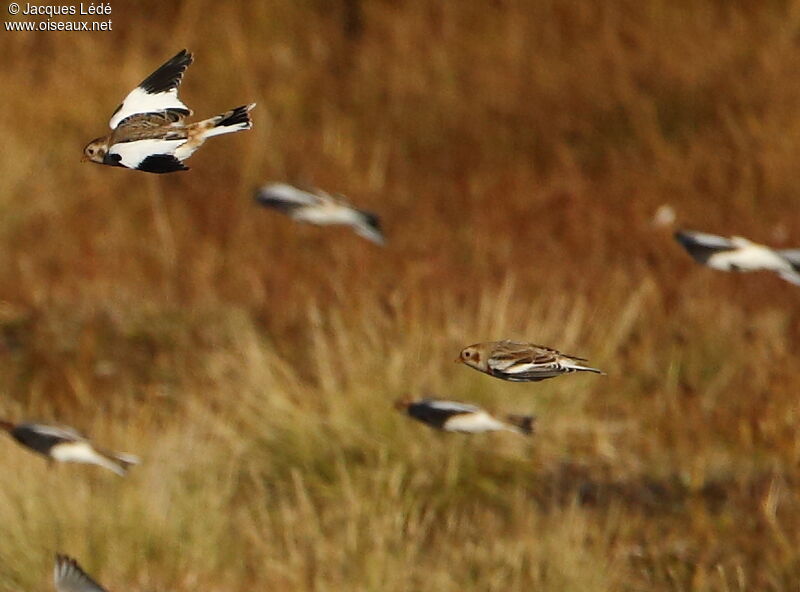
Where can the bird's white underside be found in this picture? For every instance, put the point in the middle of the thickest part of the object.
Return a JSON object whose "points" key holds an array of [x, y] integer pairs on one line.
{"points": [[134, 153], [475, 423], [749, 257], [328, 215], [82, 452]]}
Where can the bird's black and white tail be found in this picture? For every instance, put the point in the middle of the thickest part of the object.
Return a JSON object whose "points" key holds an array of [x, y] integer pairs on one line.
{"points": [[369, 227], [231, 121], [571, 366], [792, 256], [116, 461]]}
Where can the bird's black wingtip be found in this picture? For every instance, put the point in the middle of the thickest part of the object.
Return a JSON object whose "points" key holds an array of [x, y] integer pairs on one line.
{"points": [[168, 76]]}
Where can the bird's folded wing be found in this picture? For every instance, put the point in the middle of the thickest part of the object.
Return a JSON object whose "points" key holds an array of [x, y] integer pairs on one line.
{"points": [[152, 155], [69, 577], [523, 362], [158, 93]]}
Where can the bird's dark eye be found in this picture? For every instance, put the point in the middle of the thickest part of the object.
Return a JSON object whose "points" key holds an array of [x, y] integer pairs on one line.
{"points": [[91, 150], [467, 354]]}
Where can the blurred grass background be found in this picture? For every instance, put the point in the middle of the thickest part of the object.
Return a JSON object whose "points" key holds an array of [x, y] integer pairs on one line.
{"points": [[517, 152]]}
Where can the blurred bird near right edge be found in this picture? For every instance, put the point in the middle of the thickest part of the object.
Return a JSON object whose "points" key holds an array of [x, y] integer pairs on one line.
{"points": [[739, 254]]}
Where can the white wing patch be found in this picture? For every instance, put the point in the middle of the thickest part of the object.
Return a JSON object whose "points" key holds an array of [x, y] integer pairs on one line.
{"points": [[140, 101], [133, 154]]}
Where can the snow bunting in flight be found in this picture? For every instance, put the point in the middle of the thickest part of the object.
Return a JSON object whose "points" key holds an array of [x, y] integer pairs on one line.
{"points": [[149, 132], [452, 416], [320, 208], [69, 577], [739, 254], [521, 362], [65, 444]]}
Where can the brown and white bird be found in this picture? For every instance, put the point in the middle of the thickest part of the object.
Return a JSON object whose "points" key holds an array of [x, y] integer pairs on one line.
{"points": [[452, 416], [321, 209], [149, 133], [521, 362], [69, 577], [65, 444], [739, 254]]}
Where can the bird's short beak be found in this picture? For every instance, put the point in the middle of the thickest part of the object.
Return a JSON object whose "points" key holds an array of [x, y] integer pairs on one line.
{"points": [[458, 359], [84, 158]]}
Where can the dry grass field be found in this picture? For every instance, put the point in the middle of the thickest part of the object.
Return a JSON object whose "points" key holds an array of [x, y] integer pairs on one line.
{"points": [[516, 152]]}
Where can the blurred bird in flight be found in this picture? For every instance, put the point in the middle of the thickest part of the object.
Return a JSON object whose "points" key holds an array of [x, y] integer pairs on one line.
{"points": [[521, 362], [739, 254], [64, 444], [69, 577], [149, 133], [321, 209], [452, 416]]}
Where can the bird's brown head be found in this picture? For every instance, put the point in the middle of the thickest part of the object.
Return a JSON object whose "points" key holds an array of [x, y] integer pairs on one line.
{"points": [[403, 404], [6, 425], [471, 356], [95, 150]]}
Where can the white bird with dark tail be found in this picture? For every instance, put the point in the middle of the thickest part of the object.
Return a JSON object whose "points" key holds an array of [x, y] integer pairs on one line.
{"points": [[64, 444], [452, 416], [321, 209], [149, 133], [69, 577], [739, 254], [521, 362]]}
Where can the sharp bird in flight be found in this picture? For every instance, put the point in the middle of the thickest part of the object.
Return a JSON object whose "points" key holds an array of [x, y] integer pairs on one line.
{"points": [[149, 133], [521, 362]]}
